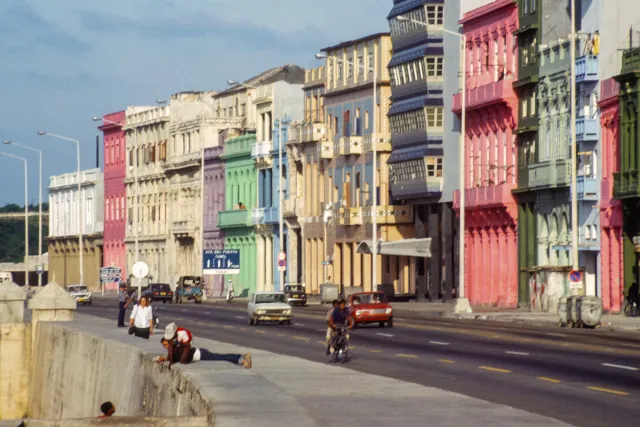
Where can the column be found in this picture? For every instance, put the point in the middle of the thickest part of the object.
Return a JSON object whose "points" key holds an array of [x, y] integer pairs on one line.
{"points": [[366, 280], [308, 268], [512, 266], [470, 257], [260, 255], [319, 266], [503, 288], [393, 262], [379, 272], [337, 264], [617, 279], [411, 289], [477, 267], [494, 291], [404, 274], [269, 263], [347, 264], [357, 269], [292, 254], [316, 264], [435, 263]]}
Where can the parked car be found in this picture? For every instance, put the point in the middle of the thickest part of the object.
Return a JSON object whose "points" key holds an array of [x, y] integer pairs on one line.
{"points": [[296, 294], [269, 307], [371, 307], [159, 292], [80, 293], [189, 289]]}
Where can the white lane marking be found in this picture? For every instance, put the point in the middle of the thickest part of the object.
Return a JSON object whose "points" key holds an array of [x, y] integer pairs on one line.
{"points": [[299, 324], [207, 312], [628, 368], [240, 317], [438, 343], [384, 335], [517, 353], [184, 309], [553, 334]]}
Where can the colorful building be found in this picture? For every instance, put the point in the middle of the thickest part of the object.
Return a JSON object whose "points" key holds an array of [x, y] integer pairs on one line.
{"points": [[491, 213], [612, 280], [115, 170], [241, 197], [214, 202], [626, 186]]}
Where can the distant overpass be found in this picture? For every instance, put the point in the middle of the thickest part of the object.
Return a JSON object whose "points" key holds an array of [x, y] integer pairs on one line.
{"points": [[16, 215]]}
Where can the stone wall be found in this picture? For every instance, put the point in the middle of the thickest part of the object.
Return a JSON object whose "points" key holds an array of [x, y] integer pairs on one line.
{"points": [[114, 421], [75, 371], [15, 354]]}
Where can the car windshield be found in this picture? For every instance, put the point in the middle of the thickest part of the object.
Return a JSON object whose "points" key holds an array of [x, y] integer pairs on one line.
{"points": [[161, 288], [294, 288], [368, 298], [78, 289], [270, 298]]}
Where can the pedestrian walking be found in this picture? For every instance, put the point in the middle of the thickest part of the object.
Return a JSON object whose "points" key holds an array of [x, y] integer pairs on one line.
{"points": [[141, 319], [229, 290], [123, 302]]}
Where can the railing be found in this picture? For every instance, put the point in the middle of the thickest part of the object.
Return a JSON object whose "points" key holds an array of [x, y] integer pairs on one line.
{"points": [[609, 89], [587, 129], [586, 188], [238, 145], [289, 207], [315, 115], [631, 60], [485, 95], [552, 173], [184, 227], [264, 93], [179, 160], [315, 76], [261, 149], [490, 195], [234, 218], [348, 216], [257, 216], [587, 69], [295, 134], [271, 216], [383, 143], [312, 132], [388, 214], [625, 184], [325, 150], [349, 145]]}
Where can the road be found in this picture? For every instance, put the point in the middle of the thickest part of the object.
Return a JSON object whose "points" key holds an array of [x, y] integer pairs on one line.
{"points": [[585, 378]]}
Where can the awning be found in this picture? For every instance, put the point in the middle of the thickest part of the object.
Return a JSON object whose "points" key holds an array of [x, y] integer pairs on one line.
{"points": [[433, 98], [419, 52], [406, 247]]}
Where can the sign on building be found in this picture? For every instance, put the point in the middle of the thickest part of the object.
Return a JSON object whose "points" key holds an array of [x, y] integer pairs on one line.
{"points": [[221, 261], [110, 274]]}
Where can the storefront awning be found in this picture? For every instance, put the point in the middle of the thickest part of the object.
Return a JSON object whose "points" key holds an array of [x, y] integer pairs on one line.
{"points": [[406, 247]]}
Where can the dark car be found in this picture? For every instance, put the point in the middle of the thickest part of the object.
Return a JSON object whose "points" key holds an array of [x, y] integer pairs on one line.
{"points": [[296, 294], [159, 292]]}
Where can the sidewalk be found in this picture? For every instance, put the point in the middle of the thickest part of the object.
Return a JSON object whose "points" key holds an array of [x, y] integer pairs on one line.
{"points": [[283, 390]]}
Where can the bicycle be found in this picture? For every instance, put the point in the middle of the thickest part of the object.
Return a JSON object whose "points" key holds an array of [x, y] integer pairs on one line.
{"points": [[631, 308], [341, 349]]}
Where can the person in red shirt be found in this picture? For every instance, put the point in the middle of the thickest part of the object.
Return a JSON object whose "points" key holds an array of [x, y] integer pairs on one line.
{"points": [[180, 336], [107, 409]]}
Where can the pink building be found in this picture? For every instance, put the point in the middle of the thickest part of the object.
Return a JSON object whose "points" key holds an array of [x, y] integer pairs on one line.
{"points": [[491, 263], [610, 209], [114, 192]]}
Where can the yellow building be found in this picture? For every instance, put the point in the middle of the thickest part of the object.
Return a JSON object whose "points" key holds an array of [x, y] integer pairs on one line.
{"points": [[337, 140]]}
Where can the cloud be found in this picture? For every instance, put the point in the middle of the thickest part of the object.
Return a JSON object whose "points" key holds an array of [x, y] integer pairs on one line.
{"points": [[23, 32]]}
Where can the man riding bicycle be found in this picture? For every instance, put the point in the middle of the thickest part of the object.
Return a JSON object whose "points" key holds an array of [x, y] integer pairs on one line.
{"points": [[340, 317]]}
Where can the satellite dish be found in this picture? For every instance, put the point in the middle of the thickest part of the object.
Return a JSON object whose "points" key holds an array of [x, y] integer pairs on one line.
{"points": [[140, 270]]}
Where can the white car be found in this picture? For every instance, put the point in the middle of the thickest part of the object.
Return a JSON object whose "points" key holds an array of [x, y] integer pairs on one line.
{"points": [[269, 307], [80, 293]]}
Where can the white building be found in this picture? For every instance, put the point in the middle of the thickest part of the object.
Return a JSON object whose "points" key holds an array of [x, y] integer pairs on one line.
{"points": [[64, 227]]}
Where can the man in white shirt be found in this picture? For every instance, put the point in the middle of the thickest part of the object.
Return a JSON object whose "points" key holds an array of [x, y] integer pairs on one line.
{"points": [[141, 319]]}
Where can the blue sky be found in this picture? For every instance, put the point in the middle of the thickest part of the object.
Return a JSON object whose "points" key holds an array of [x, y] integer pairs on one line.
{"points": [[64, 61]]}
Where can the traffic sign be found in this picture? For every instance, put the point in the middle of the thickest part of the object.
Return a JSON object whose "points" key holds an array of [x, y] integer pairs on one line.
{"points": [[221, 261], [282, 256], [39, 269], [575, 276], [110, 274], [140, 270]]}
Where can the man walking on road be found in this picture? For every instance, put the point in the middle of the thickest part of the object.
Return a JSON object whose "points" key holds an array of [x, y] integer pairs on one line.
{"points": [[123, 302]]}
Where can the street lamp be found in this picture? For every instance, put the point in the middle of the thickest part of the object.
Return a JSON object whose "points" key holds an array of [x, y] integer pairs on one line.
{"points": [[461, 304], [39, 203], [574, 150], [374, 178], [26, 218], [80, 196], [280, 178]]}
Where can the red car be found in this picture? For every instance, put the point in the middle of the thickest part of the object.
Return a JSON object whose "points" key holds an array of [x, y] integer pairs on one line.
{"points": [[371, 307]]}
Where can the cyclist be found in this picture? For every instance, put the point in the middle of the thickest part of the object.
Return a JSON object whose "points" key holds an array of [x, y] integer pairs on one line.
{"points": [[334, 304], [340, 317], [632, 294]]}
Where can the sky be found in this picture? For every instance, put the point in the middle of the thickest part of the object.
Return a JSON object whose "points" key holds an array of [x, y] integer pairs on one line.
{"points": [[64, 61]]}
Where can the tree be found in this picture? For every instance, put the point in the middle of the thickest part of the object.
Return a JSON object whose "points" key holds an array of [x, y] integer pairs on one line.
{"points": [[12, 232]]}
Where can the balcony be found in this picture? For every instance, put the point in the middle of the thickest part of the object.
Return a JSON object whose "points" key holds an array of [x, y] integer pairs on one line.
{"points": [[314, 77], [429, 188], [264, 94], [491, 195], [383, 143], [238, 146], [587, 188], [349, 145], [487, 94], [587, 69], [388, 215], [631, 60], [289, 208], [183, 228], [271, 216], [625, 185], [312, 132], [261, 149], [257, 216], [325, 150], [348, 216], [295, 134], [587, 129], [182, 161], [552, 173], [235, 219]]}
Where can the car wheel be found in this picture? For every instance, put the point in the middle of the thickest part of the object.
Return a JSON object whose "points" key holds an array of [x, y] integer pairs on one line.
{"points": [[90, 302], [256, 322], [289, 322], [251, 322], [355, 325], [390, 323], [164, 301], [381, 324]]}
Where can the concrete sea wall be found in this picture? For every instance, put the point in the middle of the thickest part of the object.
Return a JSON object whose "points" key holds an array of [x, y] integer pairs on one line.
{"points": [[15, 357], [74, 372]]}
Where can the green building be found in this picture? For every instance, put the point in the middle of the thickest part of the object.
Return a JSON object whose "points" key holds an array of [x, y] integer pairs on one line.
{"points": [[626, 185], [240, 198]]}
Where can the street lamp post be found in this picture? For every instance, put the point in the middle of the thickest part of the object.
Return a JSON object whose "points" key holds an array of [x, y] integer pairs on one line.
{"points": [[80, 199], [462, 304], [574, 154], [26, 218], [39, 203], [374, 161]]}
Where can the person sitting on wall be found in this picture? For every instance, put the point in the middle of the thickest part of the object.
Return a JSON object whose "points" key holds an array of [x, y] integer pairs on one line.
{"points": [[177, 353], [107, 409]]}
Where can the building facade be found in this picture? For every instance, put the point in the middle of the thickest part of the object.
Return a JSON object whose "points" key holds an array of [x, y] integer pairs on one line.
{"points": [[491, 265], [65, 225], [214, 202], [115, 170], [241, 197], [147, 191], [612, 282]]}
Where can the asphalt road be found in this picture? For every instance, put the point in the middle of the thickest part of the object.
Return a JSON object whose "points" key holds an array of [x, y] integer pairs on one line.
{"points": [[585, 378]]}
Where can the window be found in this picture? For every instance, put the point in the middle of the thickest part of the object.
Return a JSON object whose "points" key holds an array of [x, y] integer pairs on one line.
{"points": [[106, 211], [434, 117], [360, 64], [349, 70], [434, 65], [435, 14], [366, 119], [434, 167], [399, 28], [371, 61], [339, 78], [410, 121], [525, 104], [407, 171], [330, 70]]}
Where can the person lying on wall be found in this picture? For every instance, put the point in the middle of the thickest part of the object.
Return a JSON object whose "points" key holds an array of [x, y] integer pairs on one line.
{"points": [[177, 353]]}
